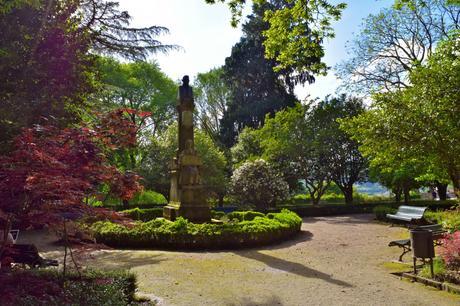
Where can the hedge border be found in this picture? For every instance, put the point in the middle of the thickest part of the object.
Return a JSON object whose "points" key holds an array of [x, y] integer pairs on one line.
{"points": [[220, 240], [344, 209]]}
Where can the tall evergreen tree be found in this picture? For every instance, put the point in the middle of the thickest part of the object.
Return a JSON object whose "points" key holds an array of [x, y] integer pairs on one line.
{"points": [[256, 90]]}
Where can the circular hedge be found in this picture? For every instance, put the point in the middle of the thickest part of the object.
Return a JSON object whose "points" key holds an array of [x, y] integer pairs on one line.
{"points": [[240, 229]]}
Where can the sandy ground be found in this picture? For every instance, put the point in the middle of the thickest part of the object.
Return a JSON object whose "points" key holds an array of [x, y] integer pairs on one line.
{"points": [[333, 261]]}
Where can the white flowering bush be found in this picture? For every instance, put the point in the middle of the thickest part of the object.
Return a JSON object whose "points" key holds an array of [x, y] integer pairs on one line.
{"points": [[257, 183]]}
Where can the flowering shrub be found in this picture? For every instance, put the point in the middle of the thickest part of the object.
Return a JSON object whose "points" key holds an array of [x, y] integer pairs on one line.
{"points": [[258, 184], [451, 250]]}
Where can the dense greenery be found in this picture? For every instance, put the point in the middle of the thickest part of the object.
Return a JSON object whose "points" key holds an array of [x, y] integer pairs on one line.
{"points": [[212, 95], [256, 90], [450, 219], [143, 214], [155, 165], [415, 131], [161, 233], [294, 33], [306, 143], [46, 61], [51, 288]]}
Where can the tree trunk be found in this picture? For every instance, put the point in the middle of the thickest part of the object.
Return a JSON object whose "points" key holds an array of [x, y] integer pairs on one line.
{"points": [[348, 193], [220, 200], [456, 182], [314, 200], [125, 204], [406, 192], [442, 191], [397, 192]]}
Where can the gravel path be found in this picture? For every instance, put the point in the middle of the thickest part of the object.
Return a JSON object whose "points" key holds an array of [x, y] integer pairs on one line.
{"points": [[334, 261]]}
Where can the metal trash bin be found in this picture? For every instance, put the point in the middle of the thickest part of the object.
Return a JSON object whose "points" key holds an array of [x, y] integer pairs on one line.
{"points": [[422, 246]]}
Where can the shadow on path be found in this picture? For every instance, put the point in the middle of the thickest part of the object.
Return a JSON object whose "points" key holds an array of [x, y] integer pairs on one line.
{"points": [[247, 301], [124, 259], [302, 236], [351, 219], [292, 267]]}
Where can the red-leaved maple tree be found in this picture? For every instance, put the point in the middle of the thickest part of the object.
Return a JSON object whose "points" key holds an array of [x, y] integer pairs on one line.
{"points": [[51, 171]]}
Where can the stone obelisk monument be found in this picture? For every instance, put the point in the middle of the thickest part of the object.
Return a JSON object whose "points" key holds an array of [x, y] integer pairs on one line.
{"points": [[186, 196]]}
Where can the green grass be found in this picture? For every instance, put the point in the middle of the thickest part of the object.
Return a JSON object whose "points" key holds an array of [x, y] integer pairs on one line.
{"points": [[438, 268]]}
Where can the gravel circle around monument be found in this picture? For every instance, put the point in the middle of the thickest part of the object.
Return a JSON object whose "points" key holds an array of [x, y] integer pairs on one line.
{"points": [[334, 261]]}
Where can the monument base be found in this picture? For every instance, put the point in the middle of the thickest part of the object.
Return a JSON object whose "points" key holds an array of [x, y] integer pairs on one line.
{"points": [[195, 214]]}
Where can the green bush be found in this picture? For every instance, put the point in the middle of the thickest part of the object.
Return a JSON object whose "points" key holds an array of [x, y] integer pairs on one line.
{"points": [[217, 214], [148, 197], [49, 287], [244, 215], [262, 229], [449, 219], [143, 214], [381, 212]]}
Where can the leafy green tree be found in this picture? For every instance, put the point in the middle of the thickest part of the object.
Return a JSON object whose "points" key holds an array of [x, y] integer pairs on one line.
{"points": [[256, 89], [295, 32], [46, 57], [394, 42], [306, 143], [212, 95], [141, 86], [155, 166], [420, 122], [247, 147], [345, 164], [45, 68], [288, 142]]}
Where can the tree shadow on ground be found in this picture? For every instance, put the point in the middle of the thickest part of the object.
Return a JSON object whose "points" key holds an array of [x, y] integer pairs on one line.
{"points": [[350, 219], [300, 237], [292, 267], [341, 219], [247, 301], [123, 259]]}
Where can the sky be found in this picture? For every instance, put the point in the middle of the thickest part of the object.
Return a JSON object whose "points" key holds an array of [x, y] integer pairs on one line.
{"points": [[206, 36]]}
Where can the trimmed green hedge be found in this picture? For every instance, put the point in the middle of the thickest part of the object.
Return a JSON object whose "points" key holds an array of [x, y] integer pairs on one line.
{"points": [[381, 212], [244, 215], [181, 234], [143, 214], [342, 209]]}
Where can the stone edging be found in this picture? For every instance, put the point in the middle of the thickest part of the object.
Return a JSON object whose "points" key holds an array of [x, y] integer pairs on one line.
{"points": [[436, 284]]}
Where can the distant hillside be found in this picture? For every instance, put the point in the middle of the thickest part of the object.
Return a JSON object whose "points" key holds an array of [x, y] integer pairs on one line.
{"points": [[371, 188]]}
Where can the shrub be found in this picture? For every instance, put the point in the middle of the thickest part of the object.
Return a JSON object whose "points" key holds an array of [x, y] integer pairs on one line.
{"points": [[244, 215], [449, 219], [262, 229], [258, 184], [439, 269], [48, 287], [451, 250], [149, 197], [217, 214], [381, 212], [145, 214]]}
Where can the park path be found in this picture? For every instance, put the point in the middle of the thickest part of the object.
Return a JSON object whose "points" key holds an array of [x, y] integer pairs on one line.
{"points": [[334, 261]]}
